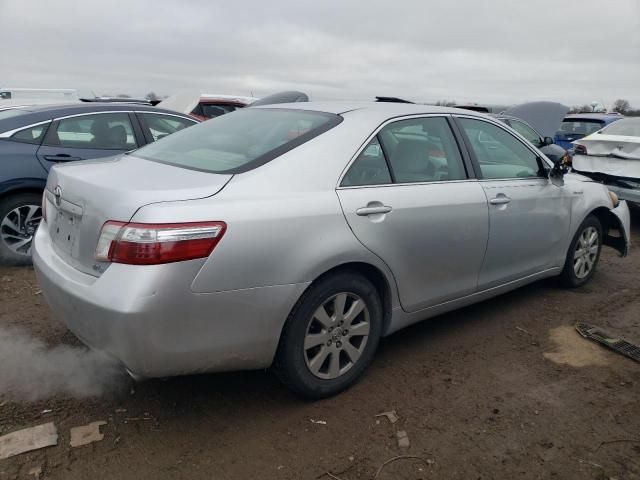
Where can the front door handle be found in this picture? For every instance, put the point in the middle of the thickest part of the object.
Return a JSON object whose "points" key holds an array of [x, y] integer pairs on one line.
{"points": [[500, 199], [61, 157], [364, 211]]}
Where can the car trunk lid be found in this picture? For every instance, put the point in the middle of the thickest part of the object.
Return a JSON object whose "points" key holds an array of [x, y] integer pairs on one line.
{"points": [[82, 196]]}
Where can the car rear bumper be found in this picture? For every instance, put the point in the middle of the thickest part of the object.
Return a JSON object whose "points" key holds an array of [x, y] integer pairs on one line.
{"points": [[149, 319]]}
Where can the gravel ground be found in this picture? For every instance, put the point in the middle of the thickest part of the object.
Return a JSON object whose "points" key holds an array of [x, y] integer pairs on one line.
{"points": [[502, 389]]}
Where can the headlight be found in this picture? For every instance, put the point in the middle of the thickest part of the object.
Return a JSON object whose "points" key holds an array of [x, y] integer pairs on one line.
{"points": [[614, 199]]}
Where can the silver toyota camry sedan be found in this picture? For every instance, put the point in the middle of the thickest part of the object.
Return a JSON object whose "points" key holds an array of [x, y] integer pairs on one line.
{"points": [[294, 237]]}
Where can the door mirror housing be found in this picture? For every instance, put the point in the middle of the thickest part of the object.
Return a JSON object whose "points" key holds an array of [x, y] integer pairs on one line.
{"points": [[556, 174], [547, 141]]}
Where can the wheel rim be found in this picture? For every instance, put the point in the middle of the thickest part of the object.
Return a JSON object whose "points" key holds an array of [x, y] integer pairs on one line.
{"points": [[336, 335], [18, 227], [586, 253]]}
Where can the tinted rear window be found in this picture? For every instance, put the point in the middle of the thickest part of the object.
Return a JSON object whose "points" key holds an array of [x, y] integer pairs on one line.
{"points": [[239, 141], [580, 127]]}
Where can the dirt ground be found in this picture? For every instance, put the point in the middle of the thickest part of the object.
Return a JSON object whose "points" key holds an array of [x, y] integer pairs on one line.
{"points": [[503, 389]]}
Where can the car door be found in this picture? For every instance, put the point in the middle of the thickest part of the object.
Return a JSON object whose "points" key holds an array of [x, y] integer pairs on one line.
{"points": [[528, 216], [93, 135], [408, 198], [158, 125]]}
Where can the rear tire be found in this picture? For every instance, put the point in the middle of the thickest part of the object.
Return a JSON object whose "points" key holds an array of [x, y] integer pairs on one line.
{"points": [[323, 350], [20, 215], [584, 254]]}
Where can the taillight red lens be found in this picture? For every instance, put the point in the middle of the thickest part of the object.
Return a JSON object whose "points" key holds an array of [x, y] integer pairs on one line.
{"points": [[580, 150], [155, 243]]}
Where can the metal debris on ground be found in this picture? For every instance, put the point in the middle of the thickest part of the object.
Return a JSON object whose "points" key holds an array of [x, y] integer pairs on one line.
{"points": [[403, 439], [86, 434], [391, 416], [28, 439], [36, 472], [601, 336], [318, 422]]}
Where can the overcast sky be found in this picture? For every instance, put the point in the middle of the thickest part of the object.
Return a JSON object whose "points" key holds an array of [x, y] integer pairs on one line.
{"points": [[495, 51]]}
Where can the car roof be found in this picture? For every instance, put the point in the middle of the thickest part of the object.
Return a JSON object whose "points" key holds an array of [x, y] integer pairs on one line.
{"points": [[593, 116], [41, 113], [376, 110]]}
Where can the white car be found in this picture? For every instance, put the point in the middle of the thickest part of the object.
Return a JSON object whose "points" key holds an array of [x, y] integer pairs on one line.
{"points": [[612, 156]]}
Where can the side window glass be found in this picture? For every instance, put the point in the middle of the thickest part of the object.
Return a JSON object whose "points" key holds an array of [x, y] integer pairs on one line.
{"points": [[106, 131], [527, 132], [31, 135], [370, 168], [162, 125], [422, 150], [500, 154]]}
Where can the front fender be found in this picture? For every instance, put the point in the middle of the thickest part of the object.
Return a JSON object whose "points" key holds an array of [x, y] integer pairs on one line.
{"points": [[592, 198], [623, 224], [21, 184]]}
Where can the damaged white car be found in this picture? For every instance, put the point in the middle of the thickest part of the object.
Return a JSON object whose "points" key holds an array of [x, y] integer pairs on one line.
{"points": [[612, 156]]}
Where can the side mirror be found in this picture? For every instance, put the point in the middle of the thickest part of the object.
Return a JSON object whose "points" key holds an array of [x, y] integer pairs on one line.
{"points": [[547, 141], [556, 175]]}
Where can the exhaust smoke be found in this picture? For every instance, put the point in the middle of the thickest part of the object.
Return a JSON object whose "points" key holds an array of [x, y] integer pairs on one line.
{"points": [[31, 370]]}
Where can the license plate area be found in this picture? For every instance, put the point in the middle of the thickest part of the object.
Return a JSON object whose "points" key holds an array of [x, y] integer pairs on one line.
{"points": [[64, 231]]}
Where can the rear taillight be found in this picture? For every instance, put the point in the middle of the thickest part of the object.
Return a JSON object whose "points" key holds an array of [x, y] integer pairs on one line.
{"points": [[44, 205], [580, 150], [155, 243]]}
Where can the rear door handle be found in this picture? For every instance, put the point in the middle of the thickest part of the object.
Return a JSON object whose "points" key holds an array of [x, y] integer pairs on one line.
{"points": [[61, 157], [500, 199], [364, 211]]}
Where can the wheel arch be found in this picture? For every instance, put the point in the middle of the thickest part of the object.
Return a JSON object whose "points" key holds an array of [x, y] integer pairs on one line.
{"points": [[372, 273], [609, 222], [17, 187]]}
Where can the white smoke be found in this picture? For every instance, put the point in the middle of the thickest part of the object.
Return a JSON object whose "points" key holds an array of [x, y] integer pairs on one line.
{"points": [[30, 370]]}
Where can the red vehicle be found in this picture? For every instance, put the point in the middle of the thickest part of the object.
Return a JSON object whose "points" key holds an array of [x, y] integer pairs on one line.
{"points": [[211, 106]]}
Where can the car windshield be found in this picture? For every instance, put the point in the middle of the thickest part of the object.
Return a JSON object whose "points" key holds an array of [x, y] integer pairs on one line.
{"points": [[580, 127], [239, 141], [629, 127]]}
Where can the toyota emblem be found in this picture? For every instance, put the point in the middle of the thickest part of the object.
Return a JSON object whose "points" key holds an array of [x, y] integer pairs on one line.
{"points": [[57, 192]]}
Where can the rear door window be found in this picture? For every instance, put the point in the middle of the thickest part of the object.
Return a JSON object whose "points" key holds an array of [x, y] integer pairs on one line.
{"points": [[105, 131], [32, 135], [422, 150], [370, 168], [157, 125]]}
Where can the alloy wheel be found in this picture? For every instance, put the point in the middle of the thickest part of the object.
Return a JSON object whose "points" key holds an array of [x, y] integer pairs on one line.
{"points": [[336, 335], [586, 252], [18, 228]]}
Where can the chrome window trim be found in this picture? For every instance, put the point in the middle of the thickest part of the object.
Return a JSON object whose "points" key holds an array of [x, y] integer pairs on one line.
{"points": [[10, 133], [184, 117], [376, 131], [408, 184], [86, 114]]}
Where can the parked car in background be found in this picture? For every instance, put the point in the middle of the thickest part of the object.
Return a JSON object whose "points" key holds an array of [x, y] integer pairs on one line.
{"points": [[33, 139], [295, 236], [612, 156], [36, 96], [578, 125], [190, 102], [546, 116], [211, 105]]}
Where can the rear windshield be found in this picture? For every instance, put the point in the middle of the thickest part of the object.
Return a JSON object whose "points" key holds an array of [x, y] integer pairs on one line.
{"points": [[11, 112], [580, 127], [239, 141], [628, 127]]}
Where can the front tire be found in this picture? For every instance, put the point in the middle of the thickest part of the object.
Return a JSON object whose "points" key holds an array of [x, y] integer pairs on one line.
{"points": [[20, 215], [584, 254], [330, 336]]}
